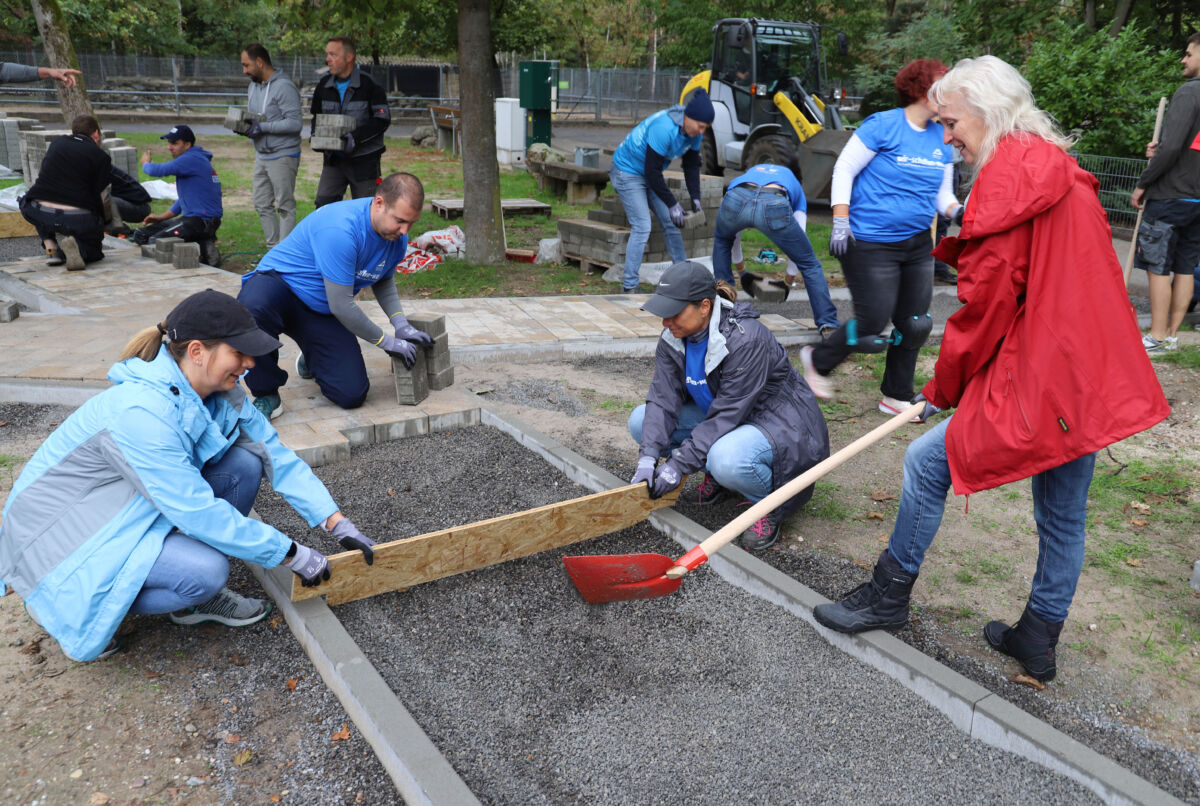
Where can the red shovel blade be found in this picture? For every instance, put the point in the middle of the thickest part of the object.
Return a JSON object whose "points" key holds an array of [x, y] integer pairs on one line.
{"points": [[621, 577]]}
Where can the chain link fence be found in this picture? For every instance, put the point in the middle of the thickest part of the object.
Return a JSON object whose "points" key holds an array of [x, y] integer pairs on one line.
{"points": [[1118, 177]]}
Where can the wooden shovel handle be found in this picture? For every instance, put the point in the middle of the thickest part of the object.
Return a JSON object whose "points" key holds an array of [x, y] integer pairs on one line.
{"points": [[719, 539], [1137, 224]]}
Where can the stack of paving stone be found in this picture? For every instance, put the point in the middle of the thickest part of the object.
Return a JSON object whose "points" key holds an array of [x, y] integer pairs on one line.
{"points": [[34, 143], [328, 131], [124, 156], [432, 370], [10, 139], [238, 120], [600, 239]]}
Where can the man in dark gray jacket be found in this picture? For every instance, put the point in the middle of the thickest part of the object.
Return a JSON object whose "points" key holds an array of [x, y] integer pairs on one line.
{"points": [[274, 102], [1168, 240]]}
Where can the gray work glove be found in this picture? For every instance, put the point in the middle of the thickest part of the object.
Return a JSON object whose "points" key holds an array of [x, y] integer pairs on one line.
{"points": [[666, 478], [255, 131], [348, 535], [696, 205], [677, 215], [347, 143], [841, 237], [406, 351], [409, 333], [309, 564], [926, 412], [645, 471]]}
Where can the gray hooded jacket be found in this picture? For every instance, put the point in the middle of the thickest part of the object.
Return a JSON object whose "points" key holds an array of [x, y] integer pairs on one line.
{"points": [[752, 381], [277, 101]]}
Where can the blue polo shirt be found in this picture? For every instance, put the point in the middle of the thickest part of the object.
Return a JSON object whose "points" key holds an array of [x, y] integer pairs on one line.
{"points": [[335, 242], [895, 196], [768, 174], [660, 132]]}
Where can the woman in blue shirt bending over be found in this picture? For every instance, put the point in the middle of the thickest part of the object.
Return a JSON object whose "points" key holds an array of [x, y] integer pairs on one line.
{"points": [[724, 399], [895, 174]]}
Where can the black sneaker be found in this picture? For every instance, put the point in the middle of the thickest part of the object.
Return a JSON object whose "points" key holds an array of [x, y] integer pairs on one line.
{"points": [[209, 254], [302, 368], [763, 534], [709, 492], [945, 276]]}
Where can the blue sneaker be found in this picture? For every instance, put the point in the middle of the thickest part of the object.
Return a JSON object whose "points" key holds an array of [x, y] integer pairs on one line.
{"points": [[270, 406], [302, 368]]}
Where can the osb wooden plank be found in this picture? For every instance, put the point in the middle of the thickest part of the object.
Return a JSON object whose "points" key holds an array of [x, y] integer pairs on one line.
{"points": [[424, 558], [14, 225]]}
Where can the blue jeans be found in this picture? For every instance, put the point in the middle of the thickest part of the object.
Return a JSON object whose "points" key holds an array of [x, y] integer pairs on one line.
{"points": [[740, 461], [770, 213], [331, 351], [638, 200], [187, 571], [1059, 509]]}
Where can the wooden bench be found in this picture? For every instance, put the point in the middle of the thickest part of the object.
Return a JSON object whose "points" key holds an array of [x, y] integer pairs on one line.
{"points": [[447, 122], [453, 208], [580, 185]]}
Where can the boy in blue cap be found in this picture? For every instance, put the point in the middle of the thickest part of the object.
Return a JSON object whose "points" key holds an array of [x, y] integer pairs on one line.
{"points": [[196, 216]]}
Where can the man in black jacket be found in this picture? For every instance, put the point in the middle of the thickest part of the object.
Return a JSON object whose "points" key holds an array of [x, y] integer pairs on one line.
{"points": [[346, 90], [66, 198]]}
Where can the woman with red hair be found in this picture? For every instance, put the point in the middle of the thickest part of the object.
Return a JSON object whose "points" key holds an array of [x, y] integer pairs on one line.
{"points": [[895, 173]]}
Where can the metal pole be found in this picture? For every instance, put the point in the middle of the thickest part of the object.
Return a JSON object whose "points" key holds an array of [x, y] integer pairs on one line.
{"points": [[175, 82]]}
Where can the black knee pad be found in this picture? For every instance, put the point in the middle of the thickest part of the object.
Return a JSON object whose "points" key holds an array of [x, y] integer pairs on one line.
{"points": [[912, 331], [873, 343]]}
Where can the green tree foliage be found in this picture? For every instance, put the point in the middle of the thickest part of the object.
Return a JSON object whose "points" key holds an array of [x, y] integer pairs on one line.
{"points": [[1006, 28], [928, 36], [1105, 89]]}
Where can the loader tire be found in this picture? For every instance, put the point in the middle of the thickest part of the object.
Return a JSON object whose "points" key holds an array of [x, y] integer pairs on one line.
{"points": [[774, 148], [708, 156]]}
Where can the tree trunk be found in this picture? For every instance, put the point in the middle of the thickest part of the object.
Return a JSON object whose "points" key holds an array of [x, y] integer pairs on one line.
{"points": [[1089, 14], [482, 216], [61, 53], [1120, 16]]}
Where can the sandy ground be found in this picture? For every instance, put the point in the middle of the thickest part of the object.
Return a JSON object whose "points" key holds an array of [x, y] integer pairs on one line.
{"points": [[162, 721]]}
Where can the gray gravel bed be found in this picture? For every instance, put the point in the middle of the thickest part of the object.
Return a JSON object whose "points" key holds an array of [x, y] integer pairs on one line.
{"points": [[14, 248], [539, 394], [705, 696]]}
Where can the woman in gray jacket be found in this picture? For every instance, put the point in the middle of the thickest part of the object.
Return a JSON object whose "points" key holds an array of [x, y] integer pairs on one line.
{"points": [[726, 399]]}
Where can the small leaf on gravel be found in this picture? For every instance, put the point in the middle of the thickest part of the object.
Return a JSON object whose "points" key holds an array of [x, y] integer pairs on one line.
{"points": [[238, 660], [342, 734], [1136, 562], [391, 493], [139, 783], [360, 797], [883, 495], [98, 798], [1140, 507], [276, 799], [276, 621], [3, 423], [152, 675], [242, 757], [1026, 680], [292, 683], [1139, 522], [874, 516], [32, 648], [233, 738], [77, 774]]}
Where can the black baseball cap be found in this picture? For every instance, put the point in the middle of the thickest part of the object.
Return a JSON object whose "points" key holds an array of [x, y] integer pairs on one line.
{"points": [[680, 285], [210, 314], [180, 131]]}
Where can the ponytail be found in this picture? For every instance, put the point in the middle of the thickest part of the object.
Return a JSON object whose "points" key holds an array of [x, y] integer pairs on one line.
{"points": [[145, 343], [726, 290]]}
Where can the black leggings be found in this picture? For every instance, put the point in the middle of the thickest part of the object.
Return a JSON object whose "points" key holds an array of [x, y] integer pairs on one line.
{"points": [[889, 282]]}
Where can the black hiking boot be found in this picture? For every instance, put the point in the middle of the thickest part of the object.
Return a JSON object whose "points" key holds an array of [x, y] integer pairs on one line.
{"points": [[1031, 642], [881, 604]]}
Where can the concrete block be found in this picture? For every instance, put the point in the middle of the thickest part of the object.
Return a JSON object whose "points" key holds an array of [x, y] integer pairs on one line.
{"points": [[441, 380], [149, 251], [402, 429], [166, 245], [326, 143], [186, 256], [437, 357], [434, 325], [412, 385], [9, 310]]}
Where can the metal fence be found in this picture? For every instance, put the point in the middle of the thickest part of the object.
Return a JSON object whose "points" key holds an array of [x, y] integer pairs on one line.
{"points": [[1118, 177]]}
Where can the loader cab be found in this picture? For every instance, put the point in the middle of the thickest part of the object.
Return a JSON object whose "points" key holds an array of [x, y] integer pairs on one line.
{"points": [[733, 66]]}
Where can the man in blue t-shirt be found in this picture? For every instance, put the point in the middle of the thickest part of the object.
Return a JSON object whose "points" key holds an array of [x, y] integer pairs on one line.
{"points": [[305, 287], [637, 176], [770, 199], [196, 215]]}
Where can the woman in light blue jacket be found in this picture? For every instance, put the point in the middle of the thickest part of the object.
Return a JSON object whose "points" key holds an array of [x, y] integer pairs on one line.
{"points": [[135, 502]]}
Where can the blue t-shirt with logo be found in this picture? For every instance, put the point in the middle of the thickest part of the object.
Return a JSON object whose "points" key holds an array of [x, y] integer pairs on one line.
{"points": [[895, 196], [660, 132], [335, 242], [768, 174], [694, 377]]}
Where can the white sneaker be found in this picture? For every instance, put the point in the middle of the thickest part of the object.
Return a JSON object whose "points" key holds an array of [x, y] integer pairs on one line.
{"points": [[821, 386], [227, 607], [891, 407]]}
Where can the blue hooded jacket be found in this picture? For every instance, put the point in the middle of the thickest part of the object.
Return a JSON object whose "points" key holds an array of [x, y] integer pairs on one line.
{"points": [[197, 182], [88, 515]]}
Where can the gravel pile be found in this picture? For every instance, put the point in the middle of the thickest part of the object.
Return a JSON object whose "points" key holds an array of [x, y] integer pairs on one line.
{"points": [[705, 696]]}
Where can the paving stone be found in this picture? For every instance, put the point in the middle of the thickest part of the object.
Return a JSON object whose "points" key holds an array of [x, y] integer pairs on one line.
{"points": [[430, 323], [441, 380], [186, 256], [9, 310], [412, 385]]}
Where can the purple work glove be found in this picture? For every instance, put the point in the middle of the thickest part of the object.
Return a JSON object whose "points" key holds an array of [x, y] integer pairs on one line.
{"points": [[409, 333], [696, 205], [347, 143], [348, 535], [926, 412], [645, 471], [406, 351], [255, 131], [841, 237], [676, 213], [309, 564], [666, 478]]}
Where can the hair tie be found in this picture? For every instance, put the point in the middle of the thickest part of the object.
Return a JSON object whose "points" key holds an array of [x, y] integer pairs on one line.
{"points": [[162, 331]]}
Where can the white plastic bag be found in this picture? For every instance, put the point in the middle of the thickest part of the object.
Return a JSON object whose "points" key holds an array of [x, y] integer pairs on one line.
{"points": [[451, 241], [416, 260]]}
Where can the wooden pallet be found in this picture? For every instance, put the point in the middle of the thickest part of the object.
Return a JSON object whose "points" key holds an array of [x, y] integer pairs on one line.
{"points": [[453, 208], [589, 265]]}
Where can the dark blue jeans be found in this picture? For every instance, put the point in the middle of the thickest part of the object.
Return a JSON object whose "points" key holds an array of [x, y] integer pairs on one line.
{"points": [[187, 571], [331, 351], [1059, 509], [770, 213]]}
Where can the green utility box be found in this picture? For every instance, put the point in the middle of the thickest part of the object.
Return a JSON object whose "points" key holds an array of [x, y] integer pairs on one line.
{"points": [[537, 85]]}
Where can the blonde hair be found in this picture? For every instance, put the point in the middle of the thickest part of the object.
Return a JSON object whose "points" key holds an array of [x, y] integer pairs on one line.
{"points": [[145, 344], [996, 93], [727, 291]]}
